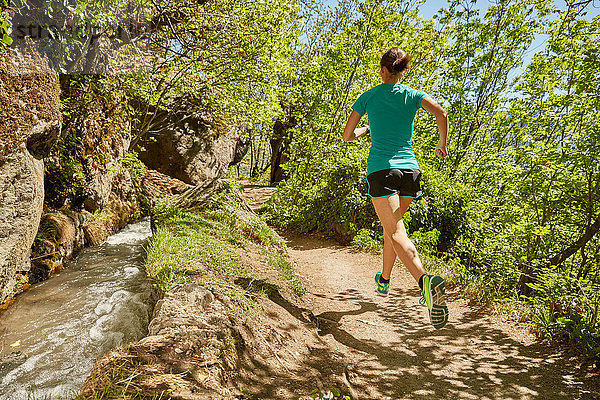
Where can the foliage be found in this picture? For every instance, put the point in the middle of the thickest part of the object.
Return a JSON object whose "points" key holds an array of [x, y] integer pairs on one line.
{"points": [[516, 203], [567, 308], [65, 175], [204, 245], [230, 55], [92, 132], [368, 240], [135, 167], [5, 26]]}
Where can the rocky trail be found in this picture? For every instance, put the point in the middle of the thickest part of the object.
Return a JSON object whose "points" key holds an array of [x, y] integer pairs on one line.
{"points": [[385, 348]]}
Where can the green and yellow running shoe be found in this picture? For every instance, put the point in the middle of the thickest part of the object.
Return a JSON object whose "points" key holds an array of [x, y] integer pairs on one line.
{"points": [[382, 288], [434, 296]]}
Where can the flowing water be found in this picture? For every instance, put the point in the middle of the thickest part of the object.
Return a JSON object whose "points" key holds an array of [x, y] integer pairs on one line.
{"points": [[53, 333]]}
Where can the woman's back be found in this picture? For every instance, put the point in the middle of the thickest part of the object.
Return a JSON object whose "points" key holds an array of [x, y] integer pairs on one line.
{"points": [[391, 109]]}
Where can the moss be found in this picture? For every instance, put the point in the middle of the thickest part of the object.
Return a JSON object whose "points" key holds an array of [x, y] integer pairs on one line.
{"points": [[25, 98]]}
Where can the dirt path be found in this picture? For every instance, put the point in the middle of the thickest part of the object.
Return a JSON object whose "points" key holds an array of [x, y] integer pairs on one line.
{"points": [[391, 351]]}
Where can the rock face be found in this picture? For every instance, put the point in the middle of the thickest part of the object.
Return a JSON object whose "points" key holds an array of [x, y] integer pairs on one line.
{"points": [[30, 122], [192, 146], [21, 196]]}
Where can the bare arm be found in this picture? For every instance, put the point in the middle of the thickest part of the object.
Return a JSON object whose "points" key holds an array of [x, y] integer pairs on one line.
{"points": [[441, 118], [350, 131]]}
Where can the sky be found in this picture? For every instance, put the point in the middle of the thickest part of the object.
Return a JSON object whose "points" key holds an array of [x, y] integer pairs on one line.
{"points": [[430, 7]]}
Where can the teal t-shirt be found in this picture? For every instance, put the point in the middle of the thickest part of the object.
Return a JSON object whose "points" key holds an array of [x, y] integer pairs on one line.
{"points": [[391, 109]]}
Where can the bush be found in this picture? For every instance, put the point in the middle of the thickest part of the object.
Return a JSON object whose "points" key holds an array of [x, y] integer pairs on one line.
{"points": [[567, 308]]}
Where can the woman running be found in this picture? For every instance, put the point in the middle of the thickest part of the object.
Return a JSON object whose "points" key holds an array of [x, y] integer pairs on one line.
{"points": [[393, 175]]}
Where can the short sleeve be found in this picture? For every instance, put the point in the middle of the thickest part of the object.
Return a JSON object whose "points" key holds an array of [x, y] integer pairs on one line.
{"points": [[360, 105], [418, 96]]}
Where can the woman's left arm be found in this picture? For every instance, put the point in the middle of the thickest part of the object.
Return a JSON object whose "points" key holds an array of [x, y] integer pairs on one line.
{"points": [[350, 131]]}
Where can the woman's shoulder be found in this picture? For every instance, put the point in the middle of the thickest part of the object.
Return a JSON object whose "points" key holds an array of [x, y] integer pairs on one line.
{"points": [[411, 89], [402, 86], [370, 92], [374, 88]]}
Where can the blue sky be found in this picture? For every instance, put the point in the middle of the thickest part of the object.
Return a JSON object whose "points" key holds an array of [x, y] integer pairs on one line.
{"points": [[430, 7]]}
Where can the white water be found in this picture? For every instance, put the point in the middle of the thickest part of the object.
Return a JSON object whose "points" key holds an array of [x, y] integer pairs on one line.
{"points": [[98, 302]]}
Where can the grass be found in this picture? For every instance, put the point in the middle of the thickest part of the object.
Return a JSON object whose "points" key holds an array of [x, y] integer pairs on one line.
{"points": [[203, 246], [286, 270], [124, 374]]}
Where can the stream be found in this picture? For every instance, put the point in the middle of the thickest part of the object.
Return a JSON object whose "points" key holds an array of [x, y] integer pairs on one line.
{"points": [[53, 333]]}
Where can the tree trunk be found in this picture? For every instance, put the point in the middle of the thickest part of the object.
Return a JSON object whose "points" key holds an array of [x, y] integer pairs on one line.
{"points": [[572, 249], [280, 142]]}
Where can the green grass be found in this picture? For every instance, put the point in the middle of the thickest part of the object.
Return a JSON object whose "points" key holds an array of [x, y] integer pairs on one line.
{"points": [[202, 246], [188, 243]]}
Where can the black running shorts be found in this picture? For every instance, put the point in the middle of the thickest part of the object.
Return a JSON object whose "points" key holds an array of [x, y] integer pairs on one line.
{"points": [[403, 182]]}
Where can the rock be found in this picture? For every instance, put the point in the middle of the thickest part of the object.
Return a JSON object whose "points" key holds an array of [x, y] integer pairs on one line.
{"points": [[241, 149], [167, 311], [157, 185], [99, 187], [21, 196], [42, 138], [115, 215], [191, 145], [190, 351], [341, 233], [61, 236], [29, 103], [11, 361], [30, 121]]}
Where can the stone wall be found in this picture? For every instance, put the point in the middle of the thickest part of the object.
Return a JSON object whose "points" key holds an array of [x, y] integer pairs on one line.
{"points": [[74, 171]]}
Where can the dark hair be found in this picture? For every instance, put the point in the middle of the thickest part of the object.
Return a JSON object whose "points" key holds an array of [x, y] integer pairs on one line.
{"points": [[395, 60]]}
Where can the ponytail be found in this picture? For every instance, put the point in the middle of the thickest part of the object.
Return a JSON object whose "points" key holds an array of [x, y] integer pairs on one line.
{"points": [[395, 60]]}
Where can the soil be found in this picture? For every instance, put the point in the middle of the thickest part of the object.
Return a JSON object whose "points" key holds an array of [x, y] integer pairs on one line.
{"points": [[343, 334]]}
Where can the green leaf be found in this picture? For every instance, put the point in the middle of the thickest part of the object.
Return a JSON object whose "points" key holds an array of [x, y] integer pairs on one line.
{"points": [[7, 39]]}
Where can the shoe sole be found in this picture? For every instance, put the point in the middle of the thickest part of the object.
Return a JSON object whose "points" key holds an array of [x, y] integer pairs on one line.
{"points": [[438, 314]]}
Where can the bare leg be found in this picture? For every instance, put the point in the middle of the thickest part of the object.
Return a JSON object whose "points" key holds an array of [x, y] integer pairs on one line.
{"points": [[389, 256], [390, 211]]}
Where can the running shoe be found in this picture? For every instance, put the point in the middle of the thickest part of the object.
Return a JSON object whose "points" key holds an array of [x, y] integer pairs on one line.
{"points": [[434, 296], [382, 288]]}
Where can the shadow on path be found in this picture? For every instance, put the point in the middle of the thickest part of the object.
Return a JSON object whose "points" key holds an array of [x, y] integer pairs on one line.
{"points": [[471, 357]]}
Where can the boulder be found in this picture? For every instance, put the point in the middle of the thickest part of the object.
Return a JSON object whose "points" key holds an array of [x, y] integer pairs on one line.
{"points": [[191, 145]]}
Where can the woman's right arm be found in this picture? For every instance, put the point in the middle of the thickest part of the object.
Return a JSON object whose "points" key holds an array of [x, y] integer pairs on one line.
{"points": [[441, 118], [350, 131]]}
